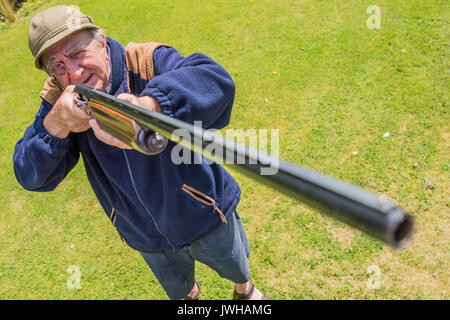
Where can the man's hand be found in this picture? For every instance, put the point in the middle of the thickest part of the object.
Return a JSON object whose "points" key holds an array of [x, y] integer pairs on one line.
{"points": [[146, 102], [65, 116]]}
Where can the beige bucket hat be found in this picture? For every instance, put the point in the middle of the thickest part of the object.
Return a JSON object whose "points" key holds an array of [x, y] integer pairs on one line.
{"points": [[52, 25]]}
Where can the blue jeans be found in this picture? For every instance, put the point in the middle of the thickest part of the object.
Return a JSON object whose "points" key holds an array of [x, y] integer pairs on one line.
{"points": [[225, 249]]}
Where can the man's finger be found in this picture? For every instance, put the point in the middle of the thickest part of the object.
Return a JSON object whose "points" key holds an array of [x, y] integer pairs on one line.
{"points": [[79, 112], [69, 89], [127, 97]]}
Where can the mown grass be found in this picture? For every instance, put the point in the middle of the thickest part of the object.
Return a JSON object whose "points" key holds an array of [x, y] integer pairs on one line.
{"points": [[311, 69]]}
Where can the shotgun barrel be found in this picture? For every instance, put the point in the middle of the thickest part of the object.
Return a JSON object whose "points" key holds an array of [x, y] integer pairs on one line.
{"points": [[373, 214]]}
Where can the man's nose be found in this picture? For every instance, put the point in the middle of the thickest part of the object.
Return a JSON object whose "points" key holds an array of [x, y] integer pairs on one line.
{"points": [[75, 71]]}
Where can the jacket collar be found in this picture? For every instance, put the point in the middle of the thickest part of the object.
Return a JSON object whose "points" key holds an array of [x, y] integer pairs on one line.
{"points": [[119, 74]]}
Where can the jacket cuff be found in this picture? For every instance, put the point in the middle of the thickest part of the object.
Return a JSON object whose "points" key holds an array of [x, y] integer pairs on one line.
{"points": [[162, 98], [42, 133]]}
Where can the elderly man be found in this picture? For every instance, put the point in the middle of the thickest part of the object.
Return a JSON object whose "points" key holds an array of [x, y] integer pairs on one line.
{"points": [[142, 195]]}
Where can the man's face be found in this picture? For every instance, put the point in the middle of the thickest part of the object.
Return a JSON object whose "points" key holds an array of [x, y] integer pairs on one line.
{"points": [[79, 58]]}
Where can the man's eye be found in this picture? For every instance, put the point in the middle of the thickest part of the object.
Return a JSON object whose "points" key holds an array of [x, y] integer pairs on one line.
{"points": [[57, 68]]}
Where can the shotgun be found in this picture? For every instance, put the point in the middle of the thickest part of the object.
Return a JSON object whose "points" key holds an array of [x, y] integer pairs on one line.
{"points": [[149, 132]]}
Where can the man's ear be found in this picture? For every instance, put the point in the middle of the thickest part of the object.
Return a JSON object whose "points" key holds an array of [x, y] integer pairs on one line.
{"points": [[104, 46], [103, 40]]}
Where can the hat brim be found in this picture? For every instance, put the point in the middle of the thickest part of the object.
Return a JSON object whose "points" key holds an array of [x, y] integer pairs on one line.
{"points": [[60, 36]]}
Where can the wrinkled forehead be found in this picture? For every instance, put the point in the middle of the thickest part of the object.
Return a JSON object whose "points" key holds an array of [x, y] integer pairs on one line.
{"points": [[73, 42]]}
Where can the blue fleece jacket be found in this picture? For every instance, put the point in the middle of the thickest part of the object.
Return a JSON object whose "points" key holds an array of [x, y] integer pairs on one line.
{"points": [[143, 194]]}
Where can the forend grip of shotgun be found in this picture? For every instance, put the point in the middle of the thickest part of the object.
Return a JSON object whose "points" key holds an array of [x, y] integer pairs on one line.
{"points": [[120, 126]]}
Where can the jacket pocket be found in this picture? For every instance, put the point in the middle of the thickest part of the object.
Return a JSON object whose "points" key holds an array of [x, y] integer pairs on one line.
{"points": [[203, 198], [112, 217]]}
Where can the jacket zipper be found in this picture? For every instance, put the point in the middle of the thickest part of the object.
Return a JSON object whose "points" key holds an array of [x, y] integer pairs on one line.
{"points": [[142, 203], [203, 198]]}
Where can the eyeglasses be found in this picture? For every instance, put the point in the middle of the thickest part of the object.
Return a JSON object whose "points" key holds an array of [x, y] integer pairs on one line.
{"points": [[59, 68]]}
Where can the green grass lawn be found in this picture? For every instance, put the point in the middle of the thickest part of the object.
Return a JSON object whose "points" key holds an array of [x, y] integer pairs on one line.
{"points": [[313, 70]]}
